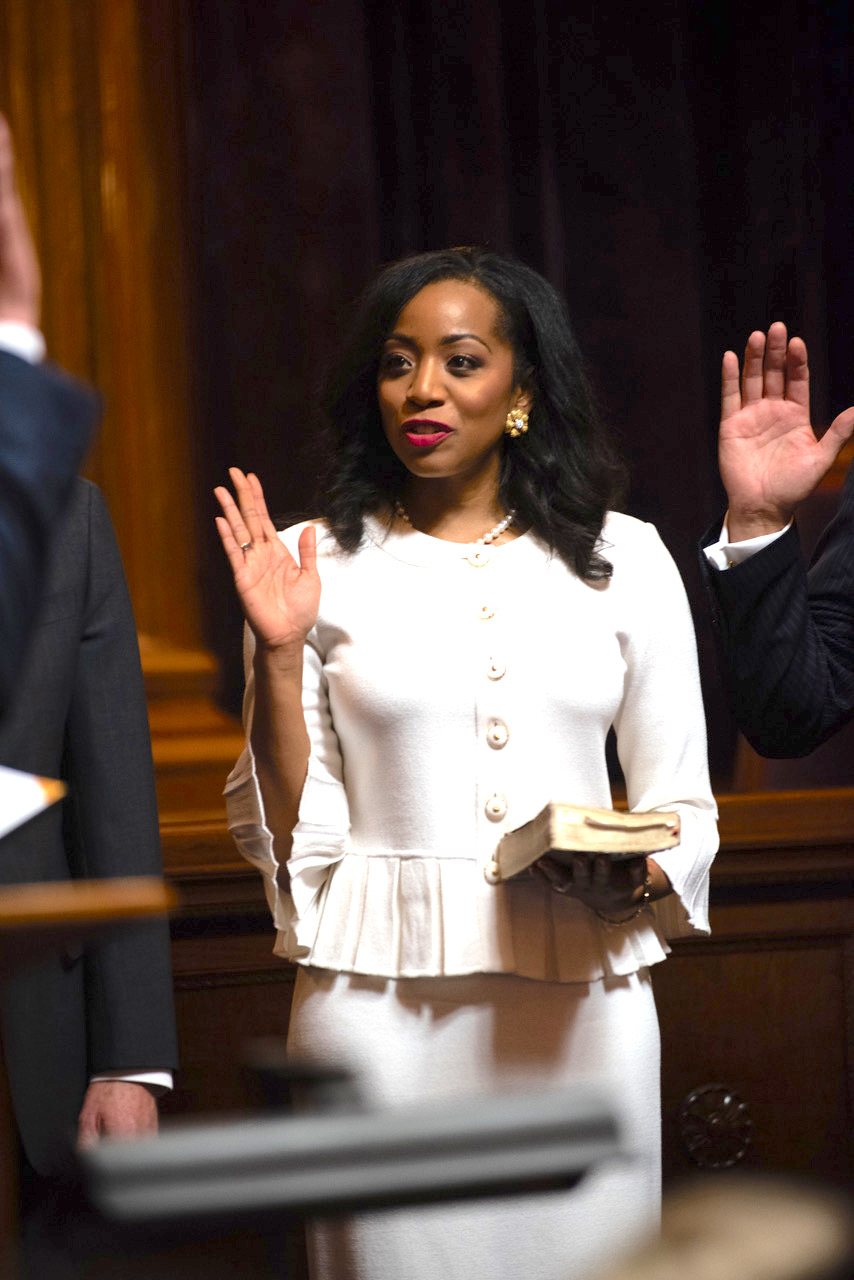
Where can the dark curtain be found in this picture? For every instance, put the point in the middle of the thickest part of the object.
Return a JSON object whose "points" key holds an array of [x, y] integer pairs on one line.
{"points": [[681, 172]]}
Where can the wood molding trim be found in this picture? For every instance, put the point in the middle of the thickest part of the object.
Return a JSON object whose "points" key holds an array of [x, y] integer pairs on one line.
{"points": [[767, 837], [281, 976]]}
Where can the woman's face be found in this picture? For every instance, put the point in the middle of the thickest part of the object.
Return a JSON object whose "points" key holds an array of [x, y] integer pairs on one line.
{"points": [[445, 383]]}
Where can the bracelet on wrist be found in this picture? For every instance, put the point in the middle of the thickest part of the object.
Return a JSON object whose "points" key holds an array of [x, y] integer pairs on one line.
{"points": [[644, 899]]}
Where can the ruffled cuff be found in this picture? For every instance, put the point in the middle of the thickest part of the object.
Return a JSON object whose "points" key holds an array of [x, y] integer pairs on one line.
{"points": [[686, 910], [319, 843]]}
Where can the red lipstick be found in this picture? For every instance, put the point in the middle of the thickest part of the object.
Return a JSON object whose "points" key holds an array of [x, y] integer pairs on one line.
{"points": [[423, 432]]}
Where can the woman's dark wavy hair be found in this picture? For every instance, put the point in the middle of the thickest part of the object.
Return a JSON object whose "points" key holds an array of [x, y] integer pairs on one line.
{"points": [[561, 477]]}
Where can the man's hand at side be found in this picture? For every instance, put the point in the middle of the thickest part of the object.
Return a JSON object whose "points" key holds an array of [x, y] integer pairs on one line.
{"points": [[116, 1109]]}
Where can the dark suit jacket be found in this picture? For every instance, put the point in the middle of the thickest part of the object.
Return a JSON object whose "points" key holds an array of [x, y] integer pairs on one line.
{"points": [[79, 712], [787, 636], [45, 423]]}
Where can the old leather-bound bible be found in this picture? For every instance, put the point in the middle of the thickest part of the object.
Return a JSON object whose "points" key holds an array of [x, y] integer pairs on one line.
{"points": [[561, 830]]}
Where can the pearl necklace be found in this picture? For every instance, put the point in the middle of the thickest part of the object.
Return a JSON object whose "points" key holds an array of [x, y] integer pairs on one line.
{"points": [[400, 510]]}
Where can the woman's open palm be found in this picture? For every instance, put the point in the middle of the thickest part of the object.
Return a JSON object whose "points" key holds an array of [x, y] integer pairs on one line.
{"points": [[280, 596]]}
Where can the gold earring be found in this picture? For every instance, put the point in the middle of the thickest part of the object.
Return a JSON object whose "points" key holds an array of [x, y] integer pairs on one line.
{"points": [[516, 424]]}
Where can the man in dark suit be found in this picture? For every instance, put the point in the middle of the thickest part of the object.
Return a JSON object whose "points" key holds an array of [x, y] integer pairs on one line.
{"points": [[76, 1021], [88, 1035], [786, 632], [45, 424]]}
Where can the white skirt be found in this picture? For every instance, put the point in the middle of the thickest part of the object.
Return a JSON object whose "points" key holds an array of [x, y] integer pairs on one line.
{"points": [[418, 1039]]}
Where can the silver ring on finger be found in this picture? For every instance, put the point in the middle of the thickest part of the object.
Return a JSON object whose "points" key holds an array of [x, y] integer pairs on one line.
{"points": [[245, 546]]}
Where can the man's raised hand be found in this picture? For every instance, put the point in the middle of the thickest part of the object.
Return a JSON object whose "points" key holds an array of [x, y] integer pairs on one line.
{"points": [[769, 455]]}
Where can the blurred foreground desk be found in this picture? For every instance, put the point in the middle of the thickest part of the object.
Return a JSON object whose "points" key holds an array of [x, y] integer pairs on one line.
{"points": [[356, 1159], [245, 1183], [35, 918]]}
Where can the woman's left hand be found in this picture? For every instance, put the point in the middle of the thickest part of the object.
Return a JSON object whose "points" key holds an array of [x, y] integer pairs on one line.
{"points": [[607, 885]]}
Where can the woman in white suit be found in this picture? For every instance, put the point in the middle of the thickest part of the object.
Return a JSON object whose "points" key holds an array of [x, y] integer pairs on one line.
{"points": [[427, 666]]}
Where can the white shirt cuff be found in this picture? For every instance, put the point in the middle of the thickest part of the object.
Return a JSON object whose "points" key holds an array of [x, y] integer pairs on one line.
{"points": [[22, 340], [723, 554], [159, 1080]]}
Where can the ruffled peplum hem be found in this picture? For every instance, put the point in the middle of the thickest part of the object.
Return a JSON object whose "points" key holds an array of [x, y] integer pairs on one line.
{"points": [[412, 915], [416, 913]]}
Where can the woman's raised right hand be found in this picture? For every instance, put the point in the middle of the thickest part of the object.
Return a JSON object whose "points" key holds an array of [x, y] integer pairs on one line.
{"points": [[280, 597]]}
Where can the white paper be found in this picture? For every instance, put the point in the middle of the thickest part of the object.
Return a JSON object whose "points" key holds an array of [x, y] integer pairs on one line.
{"points": [[23, 795]]}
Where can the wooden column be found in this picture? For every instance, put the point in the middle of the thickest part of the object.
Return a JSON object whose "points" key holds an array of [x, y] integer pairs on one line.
{"points": [[94, 93]]}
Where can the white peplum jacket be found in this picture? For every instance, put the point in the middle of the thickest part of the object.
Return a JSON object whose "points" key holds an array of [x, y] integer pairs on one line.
{"points": [[450, 692]]}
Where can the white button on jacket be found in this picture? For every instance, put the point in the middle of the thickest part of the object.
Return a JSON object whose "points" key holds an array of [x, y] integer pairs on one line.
{"points": [[496, 807]]}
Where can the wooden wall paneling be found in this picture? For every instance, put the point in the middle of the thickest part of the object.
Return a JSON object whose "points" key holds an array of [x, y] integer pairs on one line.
{"points": [[96, 99], [229, 986], [764, 1007], [9, 1166], [143, 295], [16, 82], [221, 1006], [63, 166], [798, 821], [767, 1019], [40, 95], [230, 990], [848, 988]]}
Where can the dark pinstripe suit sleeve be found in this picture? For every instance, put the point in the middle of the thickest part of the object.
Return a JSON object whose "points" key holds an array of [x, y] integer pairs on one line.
{"points": [[786, 636], [79, 712], [45, 422], [114, 831]]}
